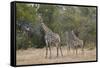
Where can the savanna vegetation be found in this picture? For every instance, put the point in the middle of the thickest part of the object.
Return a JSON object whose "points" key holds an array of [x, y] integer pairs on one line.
{"points": [[82, 20]]}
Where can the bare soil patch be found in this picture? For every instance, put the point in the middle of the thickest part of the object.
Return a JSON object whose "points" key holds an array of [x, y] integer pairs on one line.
{"points": [[37, 56]]}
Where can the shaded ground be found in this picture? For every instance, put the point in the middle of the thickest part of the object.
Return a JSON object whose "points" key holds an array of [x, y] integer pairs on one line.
{"points": [[37, 56]]}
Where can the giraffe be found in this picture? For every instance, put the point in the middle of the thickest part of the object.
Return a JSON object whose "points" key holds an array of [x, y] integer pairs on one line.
{"points": [[73, 41], [51, 38], [77, 42]]}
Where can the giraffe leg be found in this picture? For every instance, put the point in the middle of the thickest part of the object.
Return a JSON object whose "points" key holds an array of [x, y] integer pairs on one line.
{"points": [[46, 51], [68, 48], [61, 51], [50, 51], [57, 51], [76, 50], [82, 50]]}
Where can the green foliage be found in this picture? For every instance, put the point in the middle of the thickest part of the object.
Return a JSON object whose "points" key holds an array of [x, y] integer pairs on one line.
{"points": [[21, 41], [59, 19], [25, 12]]}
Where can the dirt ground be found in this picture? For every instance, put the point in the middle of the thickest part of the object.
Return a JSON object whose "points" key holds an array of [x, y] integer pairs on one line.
{"points": [[37, 56]]}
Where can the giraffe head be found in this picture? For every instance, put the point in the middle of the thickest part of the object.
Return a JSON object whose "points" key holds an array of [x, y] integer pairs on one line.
{"points": [[72, 31]]}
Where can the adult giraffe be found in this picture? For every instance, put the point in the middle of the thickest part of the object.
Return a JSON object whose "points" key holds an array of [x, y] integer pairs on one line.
{"points": [[51, 39]]}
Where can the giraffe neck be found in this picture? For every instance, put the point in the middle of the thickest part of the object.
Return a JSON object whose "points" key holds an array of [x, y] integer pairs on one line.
{"points": [[46, 29], [75, 37]]}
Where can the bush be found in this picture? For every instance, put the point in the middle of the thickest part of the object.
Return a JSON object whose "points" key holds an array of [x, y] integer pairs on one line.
{"points": [[21, 41]]}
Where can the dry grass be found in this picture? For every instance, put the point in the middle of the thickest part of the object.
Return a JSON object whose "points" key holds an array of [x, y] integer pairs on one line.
{"points": [[37, 56]]}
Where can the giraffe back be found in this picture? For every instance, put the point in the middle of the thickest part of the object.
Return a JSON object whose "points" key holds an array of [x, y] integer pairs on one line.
{"points": [[52, 38]]}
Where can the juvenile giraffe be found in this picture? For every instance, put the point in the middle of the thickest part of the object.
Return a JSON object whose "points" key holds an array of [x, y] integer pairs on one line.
{"points": [[77, 42], [74, 42]]}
